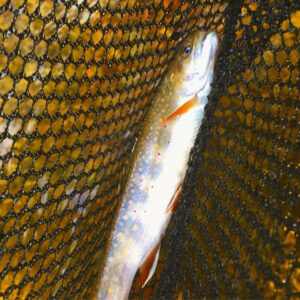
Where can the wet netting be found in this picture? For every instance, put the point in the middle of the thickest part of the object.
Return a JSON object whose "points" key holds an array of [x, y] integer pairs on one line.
{"points": [[76, 78]]}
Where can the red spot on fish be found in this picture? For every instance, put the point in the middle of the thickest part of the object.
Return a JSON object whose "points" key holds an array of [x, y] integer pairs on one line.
{"points": [[165, 126], [158, 153]]}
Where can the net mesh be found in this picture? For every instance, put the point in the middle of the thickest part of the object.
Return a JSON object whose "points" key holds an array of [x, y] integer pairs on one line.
{"points": [[76, 80]]}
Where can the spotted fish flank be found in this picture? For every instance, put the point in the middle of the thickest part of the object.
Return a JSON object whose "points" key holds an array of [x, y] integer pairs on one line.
{"points": [[162, 153]]}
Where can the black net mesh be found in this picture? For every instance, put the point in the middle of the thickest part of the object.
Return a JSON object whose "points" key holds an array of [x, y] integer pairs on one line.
{"points": [[76, 80]]}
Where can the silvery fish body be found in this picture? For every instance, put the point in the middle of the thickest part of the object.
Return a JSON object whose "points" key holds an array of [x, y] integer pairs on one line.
{"points": [[160, 163]]}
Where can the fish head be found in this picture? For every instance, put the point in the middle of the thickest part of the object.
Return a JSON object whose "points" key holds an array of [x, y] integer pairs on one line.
{"points": [[193, 68]]}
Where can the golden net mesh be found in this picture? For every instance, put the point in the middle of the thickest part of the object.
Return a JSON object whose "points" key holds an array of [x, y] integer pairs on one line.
{"points": [[76, 79]]}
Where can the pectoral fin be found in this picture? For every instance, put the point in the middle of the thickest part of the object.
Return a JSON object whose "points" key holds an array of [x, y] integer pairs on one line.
{"points": [[148, 267], [181, 110], [175, 199]]}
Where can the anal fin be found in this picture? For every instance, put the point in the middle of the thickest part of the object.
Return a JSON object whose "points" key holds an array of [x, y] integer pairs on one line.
{"points": [[175, 199], [148, 267]]}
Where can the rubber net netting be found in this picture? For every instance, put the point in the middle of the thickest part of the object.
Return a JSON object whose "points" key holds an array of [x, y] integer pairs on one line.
{"points": [[76, 80]]}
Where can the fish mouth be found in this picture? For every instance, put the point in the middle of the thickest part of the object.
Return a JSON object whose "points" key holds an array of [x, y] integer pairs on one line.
{"points": [[204, 59], [215, 46], [212, 38]]}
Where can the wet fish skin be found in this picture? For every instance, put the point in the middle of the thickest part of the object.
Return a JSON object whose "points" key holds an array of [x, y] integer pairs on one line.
{"points": [[160, 163]]}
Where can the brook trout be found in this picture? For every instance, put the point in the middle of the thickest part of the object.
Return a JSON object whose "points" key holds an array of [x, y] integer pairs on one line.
{"points": [[159, 166]]}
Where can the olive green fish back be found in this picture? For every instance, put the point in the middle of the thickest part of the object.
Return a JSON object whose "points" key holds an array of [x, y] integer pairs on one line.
{"points": [[76, 78]]}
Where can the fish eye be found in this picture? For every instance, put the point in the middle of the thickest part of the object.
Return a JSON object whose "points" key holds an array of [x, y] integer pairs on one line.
{"points": [[187, 49]]}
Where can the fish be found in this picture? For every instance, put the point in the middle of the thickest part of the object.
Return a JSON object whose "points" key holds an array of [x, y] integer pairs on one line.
{"points": [[159, 164]]}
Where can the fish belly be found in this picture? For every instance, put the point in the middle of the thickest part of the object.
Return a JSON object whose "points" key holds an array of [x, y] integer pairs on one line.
{"points": [[159, 168]]}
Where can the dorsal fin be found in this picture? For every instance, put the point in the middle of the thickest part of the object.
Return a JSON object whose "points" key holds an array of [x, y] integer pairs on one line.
{"points": [[181, 110], [148, 267]]}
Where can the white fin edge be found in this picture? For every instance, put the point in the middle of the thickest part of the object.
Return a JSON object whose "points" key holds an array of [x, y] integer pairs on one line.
{"points": [[153, 268]]}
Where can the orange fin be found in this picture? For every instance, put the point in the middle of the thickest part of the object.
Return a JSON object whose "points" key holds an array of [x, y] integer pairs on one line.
{"points": [[175, 199], [148, 267], [181, 110]]}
